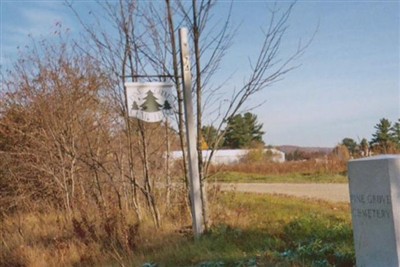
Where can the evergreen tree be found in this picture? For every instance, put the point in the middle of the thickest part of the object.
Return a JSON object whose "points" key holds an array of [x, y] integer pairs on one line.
{"points": [[382, 140], [351, 145], [243, 131], [151, 104], [395, 132]]}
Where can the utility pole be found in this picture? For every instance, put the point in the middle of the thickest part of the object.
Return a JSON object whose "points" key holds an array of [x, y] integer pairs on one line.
{"points": [[194, 182]]}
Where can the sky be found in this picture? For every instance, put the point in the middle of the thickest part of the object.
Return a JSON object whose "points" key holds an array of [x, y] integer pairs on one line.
{"points": [[348, 78]]}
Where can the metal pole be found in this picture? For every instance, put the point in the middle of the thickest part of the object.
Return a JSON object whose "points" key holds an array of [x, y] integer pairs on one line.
{"points": [[195, 190]]}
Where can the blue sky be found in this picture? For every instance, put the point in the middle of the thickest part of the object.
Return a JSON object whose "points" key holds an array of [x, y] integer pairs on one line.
{"points": [[347, 81]]}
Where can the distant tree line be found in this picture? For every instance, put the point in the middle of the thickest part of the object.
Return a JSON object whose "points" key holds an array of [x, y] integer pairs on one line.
{"points": [[244, 131], [385, 140]]}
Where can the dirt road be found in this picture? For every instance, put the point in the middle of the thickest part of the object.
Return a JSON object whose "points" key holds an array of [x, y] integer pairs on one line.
{"points": [[330, 192]]}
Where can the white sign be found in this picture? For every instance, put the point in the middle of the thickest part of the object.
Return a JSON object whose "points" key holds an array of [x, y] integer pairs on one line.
{"points": [[149, 102]]}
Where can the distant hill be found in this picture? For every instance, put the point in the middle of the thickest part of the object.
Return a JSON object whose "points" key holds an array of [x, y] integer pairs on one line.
{"points": [[290, 149]]}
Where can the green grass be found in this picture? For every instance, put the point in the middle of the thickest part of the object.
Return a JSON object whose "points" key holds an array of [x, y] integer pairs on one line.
{"points": [[261, 230], [238, 177]]}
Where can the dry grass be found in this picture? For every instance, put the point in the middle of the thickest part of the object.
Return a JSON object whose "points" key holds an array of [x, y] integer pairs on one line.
{"points": [[88, 238], [52, 239], [289, 167], [245, 228], [242, 225]]}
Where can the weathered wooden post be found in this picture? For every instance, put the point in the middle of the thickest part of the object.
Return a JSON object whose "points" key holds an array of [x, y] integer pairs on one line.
{"points": [[194, 183], [375, 206]]}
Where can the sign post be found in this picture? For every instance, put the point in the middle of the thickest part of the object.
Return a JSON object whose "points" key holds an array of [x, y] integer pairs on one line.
{"points": [[194, 183], [150, 102]]}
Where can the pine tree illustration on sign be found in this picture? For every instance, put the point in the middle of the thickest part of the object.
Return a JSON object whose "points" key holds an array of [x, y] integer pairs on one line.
{"points": [[167, 106], [135, 106], [150, 104]]}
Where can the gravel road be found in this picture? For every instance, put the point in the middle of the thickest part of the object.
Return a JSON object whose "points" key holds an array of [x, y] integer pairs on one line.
{"points": [[329, 192]]}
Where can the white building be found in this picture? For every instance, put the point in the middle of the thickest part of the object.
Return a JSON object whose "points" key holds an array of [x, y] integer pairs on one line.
{"points": [[232, 156]]}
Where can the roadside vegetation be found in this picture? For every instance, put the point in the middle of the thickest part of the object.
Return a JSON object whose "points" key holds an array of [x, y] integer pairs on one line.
{"points": [[247, 230], [259, 168], [240, 177]]}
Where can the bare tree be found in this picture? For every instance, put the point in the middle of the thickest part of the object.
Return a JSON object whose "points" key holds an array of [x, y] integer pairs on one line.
{"points": [[210, 43], [148, 44], [124, 64], [266, 69]]}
